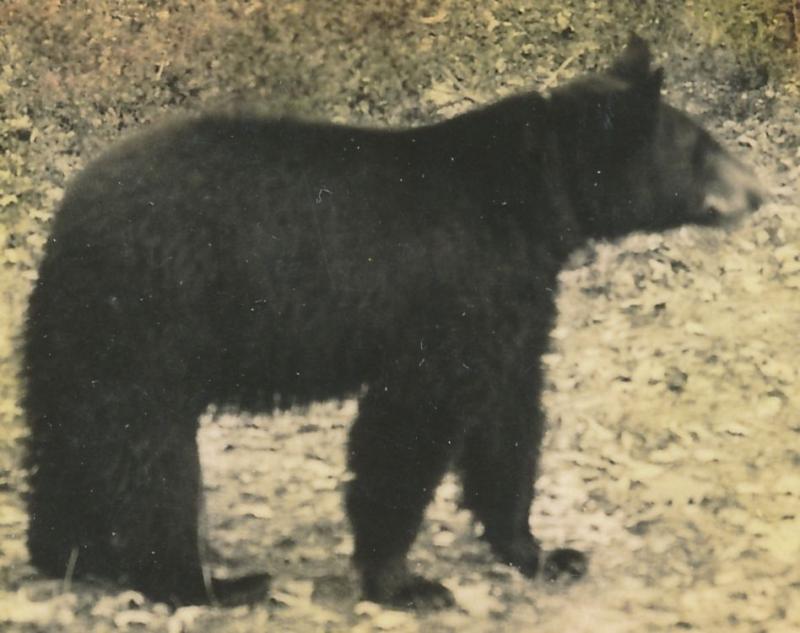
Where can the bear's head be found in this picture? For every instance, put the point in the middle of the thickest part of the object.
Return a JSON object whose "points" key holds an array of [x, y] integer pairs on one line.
{"points": [[631, 162]]}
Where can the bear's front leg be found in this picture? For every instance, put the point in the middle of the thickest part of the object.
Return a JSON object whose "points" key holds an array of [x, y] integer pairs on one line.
{"points": [[498, 469], [399, 449]]}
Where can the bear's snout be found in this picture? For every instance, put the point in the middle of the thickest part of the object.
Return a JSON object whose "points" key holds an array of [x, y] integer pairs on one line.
{"points": [[733, 192]]}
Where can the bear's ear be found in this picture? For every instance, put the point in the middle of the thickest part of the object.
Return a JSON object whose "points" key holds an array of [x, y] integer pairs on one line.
{"points": [[634, 62], [633, 66]]}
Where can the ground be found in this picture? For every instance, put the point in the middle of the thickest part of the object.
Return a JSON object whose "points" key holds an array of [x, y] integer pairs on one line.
{"points": [[673, 384]]}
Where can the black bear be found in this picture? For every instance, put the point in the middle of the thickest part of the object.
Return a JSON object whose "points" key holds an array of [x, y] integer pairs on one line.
{"points": [[248, 260]]}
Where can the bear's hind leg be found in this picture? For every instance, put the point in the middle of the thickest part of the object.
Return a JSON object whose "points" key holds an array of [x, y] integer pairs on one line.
{"points": [[155, 519], [399, 450], [115, 489], [155, 523], [67, 527]]}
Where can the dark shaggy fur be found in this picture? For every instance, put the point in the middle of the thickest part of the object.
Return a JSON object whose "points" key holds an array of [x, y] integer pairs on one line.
{"points": [[233, 259]]}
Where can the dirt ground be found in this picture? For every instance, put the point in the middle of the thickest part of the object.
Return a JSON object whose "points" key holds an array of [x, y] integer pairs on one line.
{"points": [[673, 455]]}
